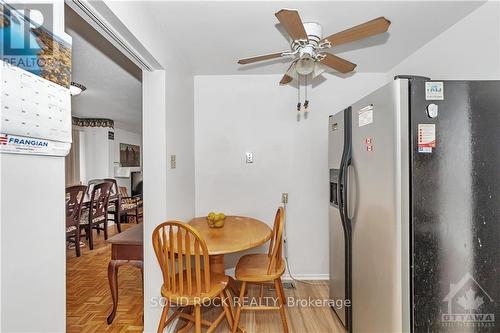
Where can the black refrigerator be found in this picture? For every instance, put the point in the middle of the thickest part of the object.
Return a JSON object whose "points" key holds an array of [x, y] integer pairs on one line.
{"points": [[414, 213]]}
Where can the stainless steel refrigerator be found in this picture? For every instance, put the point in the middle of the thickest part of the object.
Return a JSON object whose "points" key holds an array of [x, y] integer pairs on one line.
{"points": [[414, 212]]}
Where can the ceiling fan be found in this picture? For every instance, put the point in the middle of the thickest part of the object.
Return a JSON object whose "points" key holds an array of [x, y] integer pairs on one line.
{"points": [[307, 45]]}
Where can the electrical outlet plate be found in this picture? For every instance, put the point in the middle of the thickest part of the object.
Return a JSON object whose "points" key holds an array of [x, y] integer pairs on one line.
{"points": [[173, 162], [284, 198]]}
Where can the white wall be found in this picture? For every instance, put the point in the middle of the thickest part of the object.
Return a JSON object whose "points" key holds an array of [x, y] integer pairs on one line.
{"points": [[236, 114], [99, 155], [96, 153], [167, 129], [469, 50], [32, 239]]}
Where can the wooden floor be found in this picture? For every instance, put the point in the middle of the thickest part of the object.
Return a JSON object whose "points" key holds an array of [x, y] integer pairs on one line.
{"points": [[89, 301]]}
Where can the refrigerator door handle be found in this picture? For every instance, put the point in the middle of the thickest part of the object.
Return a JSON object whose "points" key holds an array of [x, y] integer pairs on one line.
{"points": [[344, 167], [351, 203]]}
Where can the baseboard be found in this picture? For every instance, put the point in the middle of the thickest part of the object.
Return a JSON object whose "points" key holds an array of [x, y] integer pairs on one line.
{"points": [[286, 277], [305, 277]]}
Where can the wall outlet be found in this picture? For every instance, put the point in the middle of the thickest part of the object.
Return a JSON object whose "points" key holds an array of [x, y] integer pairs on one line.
{"points": [[173, 162], [249, 157], [284, 198]]}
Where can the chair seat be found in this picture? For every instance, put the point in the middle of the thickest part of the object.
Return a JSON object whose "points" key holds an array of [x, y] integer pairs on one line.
{"points": [[70, 228], [124, 206], [217, 284], [84, 219], [253, 268]]}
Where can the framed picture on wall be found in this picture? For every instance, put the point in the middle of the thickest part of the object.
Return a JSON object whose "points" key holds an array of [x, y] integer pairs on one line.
{"points": [[130, 155]]}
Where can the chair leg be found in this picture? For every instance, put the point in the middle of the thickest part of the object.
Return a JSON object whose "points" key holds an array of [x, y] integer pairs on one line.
{"points": [[77, 242], [281, 301], [91, 236], [117, 217], [136, 215], [261, 293], [226, 309], [105, 223], [197, 318], [163, 318], [238, 307]]}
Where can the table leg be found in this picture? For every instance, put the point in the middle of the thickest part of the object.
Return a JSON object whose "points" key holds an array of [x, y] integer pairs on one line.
{"points": [[113, 266], [217, 267], [113, 285], [217, 264]]}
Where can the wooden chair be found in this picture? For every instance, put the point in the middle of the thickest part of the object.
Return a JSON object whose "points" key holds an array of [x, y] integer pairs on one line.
{"points": [[114, 206], [261, 268], [187, 279], [97, 213], [130, 206], [91, 183], [74, 199]]}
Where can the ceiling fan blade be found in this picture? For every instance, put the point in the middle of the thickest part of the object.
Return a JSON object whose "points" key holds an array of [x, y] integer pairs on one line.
{"points": [[288, 77], [292, 23], [259, 58], [367, 29], [337, 63]]}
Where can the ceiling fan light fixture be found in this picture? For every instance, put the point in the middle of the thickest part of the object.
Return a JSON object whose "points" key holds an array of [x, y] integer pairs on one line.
{"points": [[76, 88], [305, 65]]}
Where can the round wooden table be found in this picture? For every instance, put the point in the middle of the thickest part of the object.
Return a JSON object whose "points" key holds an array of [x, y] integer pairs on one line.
{"points": [[238, 234]]}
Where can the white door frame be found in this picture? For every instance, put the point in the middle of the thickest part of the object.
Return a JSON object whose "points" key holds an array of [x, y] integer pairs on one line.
{"points": [[154, 157]]}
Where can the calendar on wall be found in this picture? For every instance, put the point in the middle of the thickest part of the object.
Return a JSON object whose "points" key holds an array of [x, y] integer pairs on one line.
{"points": [[35, 75], [33, 106]]}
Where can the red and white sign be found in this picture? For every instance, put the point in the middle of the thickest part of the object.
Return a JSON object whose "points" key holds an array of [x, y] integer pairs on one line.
{"points": [[15, 144], [426, 137]]}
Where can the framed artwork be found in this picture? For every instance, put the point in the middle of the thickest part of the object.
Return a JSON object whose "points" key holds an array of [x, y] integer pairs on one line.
{"points": [[130, 155]]}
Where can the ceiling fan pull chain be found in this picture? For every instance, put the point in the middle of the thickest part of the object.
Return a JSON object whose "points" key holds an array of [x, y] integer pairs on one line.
{"points": [[298, 94], [306, 102]]}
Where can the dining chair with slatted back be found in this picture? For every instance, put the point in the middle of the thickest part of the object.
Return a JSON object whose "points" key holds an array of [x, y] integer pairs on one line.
{"points": [[260, 268], [187, 280], [114, 208], [97, 213], [129, 206], [91, 183], [74, 199]]}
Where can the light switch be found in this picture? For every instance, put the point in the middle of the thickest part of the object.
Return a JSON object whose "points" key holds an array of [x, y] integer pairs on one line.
{"points": [[173, 163], [249, 157]]}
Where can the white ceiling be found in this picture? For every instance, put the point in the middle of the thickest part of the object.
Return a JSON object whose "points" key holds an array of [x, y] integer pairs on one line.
{"points": [[112, 80], [213, 35]]}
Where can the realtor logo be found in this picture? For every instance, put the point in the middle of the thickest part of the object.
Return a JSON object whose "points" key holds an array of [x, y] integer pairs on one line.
{"points": [[468, 305], [3, 139]]}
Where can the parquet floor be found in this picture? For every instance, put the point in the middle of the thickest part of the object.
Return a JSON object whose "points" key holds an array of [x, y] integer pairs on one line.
{"points": [[89, 301]]}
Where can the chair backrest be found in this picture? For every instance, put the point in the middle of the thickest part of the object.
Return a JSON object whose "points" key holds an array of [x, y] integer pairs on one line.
{"points": [[99, 200], [91, 183], [123, 191], [276, 244], [179, 247], [74, 200], [114, 187]]}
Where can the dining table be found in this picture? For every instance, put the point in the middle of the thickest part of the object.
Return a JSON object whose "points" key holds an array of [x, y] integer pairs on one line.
{"points": [[126, 249], [238, 234]]}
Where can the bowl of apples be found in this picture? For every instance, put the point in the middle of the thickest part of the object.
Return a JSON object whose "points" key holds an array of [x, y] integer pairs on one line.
{"points": [[215, 220]]}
